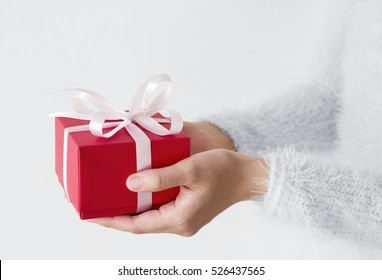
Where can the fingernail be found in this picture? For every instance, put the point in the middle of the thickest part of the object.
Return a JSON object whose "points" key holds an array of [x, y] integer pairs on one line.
{"points": [[134, 182]]}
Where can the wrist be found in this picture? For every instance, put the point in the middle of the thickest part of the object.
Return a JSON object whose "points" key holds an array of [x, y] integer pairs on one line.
{"points": [[254, 172]]}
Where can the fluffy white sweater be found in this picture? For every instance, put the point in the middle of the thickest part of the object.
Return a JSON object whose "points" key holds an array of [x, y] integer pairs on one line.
{"points": [[323, 137]]}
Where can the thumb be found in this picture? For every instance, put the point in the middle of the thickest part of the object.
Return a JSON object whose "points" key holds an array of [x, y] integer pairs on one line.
{"points": [[153, 180]]}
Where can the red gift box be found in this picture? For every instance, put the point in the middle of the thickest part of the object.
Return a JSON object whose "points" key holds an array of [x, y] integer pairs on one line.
{"points": [[99, 146], [97, 168]]}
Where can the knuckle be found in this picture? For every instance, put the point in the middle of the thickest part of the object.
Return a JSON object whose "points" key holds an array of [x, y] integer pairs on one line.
{"points": [[136, 230], [202, 166], [156, 180], [194, 171], [186, 227], [188, 232], [107, 225], [223, 154]]}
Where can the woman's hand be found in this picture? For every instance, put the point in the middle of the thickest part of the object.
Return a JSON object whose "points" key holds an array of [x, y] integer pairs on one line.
{"points": [[209, 183], [206, 136]]}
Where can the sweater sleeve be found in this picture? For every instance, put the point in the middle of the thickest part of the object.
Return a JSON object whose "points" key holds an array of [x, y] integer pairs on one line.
{"points": [[305, 118], [342, 202]]}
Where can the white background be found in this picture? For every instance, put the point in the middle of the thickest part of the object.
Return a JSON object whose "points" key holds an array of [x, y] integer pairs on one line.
{"points": [[275, 269], [221, 54]]}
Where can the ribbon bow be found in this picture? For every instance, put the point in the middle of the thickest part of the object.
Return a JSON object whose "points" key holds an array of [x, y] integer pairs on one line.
{"points": [[90, 105]]}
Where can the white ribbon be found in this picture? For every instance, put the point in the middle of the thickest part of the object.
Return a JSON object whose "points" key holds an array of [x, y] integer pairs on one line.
{"points": [[89, 105]]}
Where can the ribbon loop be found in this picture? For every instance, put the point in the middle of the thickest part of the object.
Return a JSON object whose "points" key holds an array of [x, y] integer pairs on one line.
{"points": [[90, 105]]}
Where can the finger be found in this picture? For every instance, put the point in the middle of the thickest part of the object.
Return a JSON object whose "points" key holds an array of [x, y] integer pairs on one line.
{"points": [[153, 221], [154, 180]]}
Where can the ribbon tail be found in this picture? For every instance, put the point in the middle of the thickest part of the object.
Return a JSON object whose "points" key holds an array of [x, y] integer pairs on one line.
{"points": [[143, 156]]}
